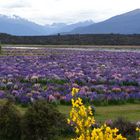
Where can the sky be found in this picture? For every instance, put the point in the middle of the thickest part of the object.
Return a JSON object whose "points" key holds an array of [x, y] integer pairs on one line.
{"points": [[66, 11]]}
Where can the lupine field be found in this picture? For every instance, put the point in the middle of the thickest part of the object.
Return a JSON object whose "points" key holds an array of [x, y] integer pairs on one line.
{"points": [[104, 77]]}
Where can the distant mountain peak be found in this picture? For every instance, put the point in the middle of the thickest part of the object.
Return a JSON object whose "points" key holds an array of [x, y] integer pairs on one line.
{"points": [[16, 25], [65, 27], [136, 11], [126, 23]]}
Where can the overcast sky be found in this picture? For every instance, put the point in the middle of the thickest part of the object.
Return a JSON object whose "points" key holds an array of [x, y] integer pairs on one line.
{"points": [[68, 11]]}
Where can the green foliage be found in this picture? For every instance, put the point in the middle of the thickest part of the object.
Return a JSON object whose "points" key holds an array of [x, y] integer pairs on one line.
{"points": [[57, 81], [126, 128], [42, 121], [80, 82], [129, 83], [9, 122]]}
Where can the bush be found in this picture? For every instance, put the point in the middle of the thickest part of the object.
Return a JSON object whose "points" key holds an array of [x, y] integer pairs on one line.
{"points": [[83, 122], [9, 122], [42, 121], [125, 127]]}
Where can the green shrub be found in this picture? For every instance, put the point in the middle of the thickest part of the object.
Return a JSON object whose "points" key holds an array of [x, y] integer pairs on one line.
{"points": [[9, 122], [56, 81], [42, 121], [126, 128]]}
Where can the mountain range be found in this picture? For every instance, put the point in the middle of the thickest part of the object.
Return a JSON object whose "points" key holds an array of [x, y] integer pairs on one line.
{"points": [[22, 27], [127, 23]]}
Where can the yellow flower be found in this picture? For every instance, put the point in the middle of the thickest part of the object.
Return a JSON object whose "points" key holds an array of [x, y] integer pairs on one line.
{"points": [[137, 129], [74, 91], [68, 120]]}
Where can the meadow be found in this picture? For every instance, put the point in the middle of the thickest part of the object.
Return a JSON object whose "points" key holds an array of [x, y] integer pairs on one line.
{"points": [[104, 77], [108, 79]]}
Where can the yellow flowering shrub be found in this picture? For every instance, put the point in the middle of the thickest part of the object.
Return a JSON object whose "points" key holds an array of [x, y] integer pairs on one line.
{"points": [[82, 119]]}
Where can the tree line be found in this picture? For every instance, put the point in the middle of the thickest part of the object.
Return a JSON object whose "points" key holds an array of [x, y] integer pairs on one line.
{"points": [[76, 39]]}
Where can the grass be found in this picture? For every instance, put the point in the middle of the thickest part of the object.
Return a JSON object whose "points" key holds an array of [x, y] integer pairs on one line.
{"points": [[128, 111]]}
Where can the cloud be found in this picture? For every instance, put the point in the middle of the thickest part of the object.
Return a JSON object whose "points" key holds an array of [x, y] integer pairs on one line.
{"points": [[18, 5], [15, 4], [48, 11]]}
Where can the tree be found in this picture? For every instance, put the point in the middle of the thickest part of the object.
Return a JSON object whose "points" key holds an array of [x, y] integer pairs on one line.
{"points": [[42, 121], [9, 122]]}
